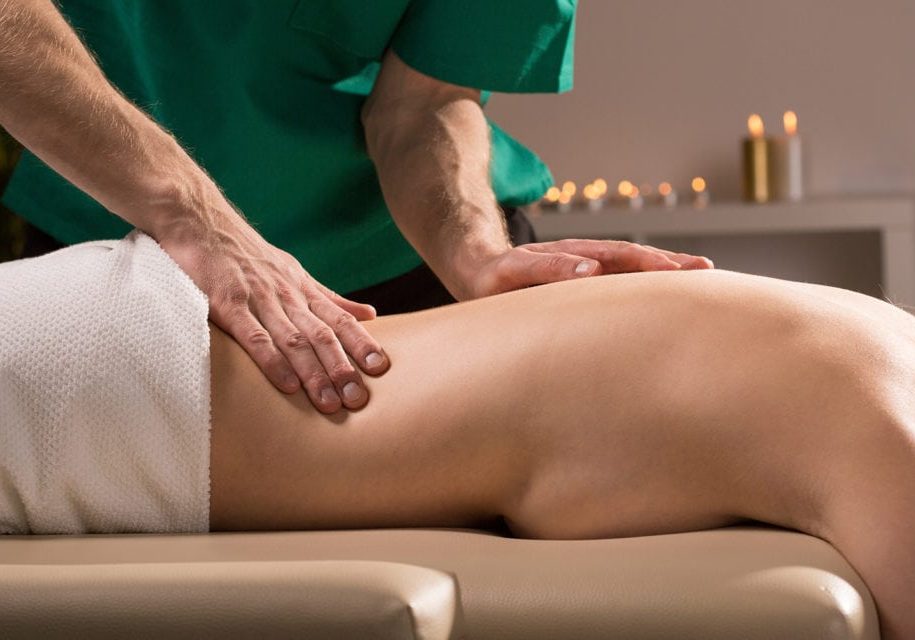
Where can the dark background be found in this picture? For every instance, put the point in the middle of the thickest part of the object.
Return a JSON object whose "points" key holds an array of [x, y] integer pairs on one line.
{"points": [[11, 226]]}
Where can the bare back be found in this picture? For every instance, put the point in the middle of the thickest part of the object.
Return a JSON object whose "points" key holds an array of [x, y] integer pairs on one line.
{"points": [[640, 379]]}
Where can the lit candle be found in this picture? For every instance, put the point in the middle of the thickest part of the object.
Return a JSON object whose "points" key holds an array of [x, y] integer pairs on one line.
{"points": [[667, 195], [628, 195], [565, 197], [550, 199], [623, 191], [756, 162], [636, 200], [786, 175], [594, 195], [700, 193]]}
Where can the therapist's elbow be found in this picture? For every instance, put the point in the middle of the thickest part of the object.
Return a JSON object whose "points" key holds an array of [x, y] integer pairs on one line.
{"points": [[391, 129]]}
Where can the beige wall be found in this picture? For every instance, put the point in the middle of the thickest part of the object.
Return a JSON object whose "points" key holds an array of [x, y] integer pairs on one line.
{"points": [[663, 89]]}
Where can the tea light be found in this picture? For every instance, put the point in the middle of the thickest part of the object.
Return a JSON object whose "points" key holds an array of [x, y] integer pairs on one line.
{"points": [[756, 162], [700, 193], [629, 195], [635, 199], [667, 195], [594, 194], [565, 197], [786, 176], [623, 191], [550, 199]]}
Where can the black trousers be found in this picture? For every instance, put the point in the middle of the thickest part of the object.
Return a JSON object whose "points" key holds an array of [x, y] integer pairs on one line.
{"points": [[415, 290]]}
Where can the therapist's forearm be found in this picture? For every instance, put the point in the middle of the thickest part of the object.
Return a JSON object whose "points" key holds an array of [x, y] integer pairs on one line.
{"points": [[56, 101], [433, 165]]}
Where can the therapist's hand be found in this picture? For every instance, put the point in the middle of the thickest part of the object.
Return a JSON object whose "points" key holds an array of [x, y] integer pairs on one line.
{"points": [[298, 331], [542, 262]]}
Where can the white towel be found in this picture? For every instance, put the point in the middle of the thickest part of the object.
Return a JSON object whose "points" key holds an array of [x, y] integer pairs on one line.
{"points": [[104, 392]]}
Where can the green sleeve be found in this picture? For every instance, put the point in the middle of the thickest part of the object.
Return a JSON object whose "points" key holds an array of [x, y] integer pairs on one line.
{"points": [[522, 46]]}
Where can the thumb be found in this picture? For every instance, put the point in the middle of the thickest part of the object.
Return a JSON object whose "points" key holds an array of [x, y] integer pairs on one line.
{"points": [[555, 267], [359, 310]]}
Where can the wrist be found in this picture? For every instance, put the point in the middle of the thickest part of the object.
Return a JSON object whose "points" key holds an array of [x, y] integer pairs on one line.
{"points": [[187, 210], [468, 259]]}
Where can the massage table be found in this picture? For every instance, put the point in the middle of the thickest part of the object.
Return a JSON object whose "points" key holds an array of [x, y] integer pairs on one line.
{"points": [[744, 583]]}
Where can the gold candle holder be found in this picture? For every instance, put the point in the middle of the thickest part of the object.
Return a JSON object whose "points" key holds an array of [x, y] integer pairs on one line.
{"points": [[756, 162]]}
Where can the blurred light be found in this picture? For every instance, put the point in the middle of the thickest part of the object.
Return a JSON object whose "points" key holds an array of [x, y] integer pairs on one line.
{"points": [[625, 188], [665, 189], [755, 125], [568, 187], [601, 186], [565, 198], [698, 185], [552, 194], [790, 120]]}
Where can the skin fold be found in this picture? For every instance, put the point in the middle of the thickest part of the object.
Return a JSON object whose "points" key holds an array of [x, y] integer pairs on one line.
{"points": [[621, 405]]}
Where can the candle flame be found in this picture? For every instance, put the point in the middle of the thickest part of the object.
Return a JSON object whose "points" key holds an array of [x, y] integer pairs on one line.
{"points": [[601, 185], [625, 188], [790, 123], [755, 125], [591, 192], [552, 194], [565, 198], [568, 187], [665, 189], [698, 184], [635, 192]]}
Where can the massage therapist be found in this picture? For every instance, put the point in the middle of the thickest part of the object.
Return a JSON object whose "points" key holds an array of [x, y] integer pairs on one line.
{"points": [[287, 150]]}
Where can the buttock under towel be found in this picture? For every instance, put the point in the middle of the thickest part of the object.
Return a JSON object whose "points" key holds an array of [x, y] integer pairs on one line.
{"points": [[104, 392]]}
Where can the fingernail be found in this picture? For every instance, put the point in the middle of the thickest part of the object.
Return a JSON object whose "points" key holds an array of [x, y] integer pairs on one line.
{"points": [[584, 267], [329, 396], [374, 359], [352, 392]]}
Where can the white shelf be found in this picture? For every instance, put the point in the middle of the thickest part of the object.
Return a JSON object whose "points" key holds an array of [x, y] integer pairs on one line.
{"points": [[892, 216]]}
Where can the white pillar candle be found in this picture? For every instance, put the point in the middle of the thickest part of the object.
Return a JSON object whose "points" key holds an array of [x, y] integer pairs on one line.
{"points": [[786, 167]]}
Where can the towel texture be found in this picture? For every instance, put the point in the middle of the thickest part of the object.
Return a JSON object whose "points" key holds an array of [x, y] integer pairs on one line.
{"points": [[104, 392]]}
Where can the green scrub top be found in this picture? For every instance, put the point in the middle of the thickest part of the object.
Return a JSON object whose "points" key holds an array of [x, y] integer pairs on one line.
{"points": [[266, 96]]}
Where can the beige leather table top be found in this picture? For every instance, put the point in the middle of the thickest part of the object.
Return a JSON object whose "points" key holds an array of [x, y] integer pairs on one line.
{"points": [[748, 583]]}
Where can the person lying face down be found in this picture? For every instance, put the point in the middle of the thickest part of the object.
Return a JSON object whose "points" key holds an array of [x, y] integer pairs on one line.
{"points": [[350, 134], [623, 405]]}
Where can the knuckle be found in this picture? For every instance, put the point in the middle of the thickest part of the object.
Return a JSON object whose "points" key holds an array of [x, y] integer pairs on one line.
{"points": [[341, 370], [285, 294], [324, 336], [556, 261], [297, 341], [343, 321], [258, 336], [316, 380], [236, 296]]}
